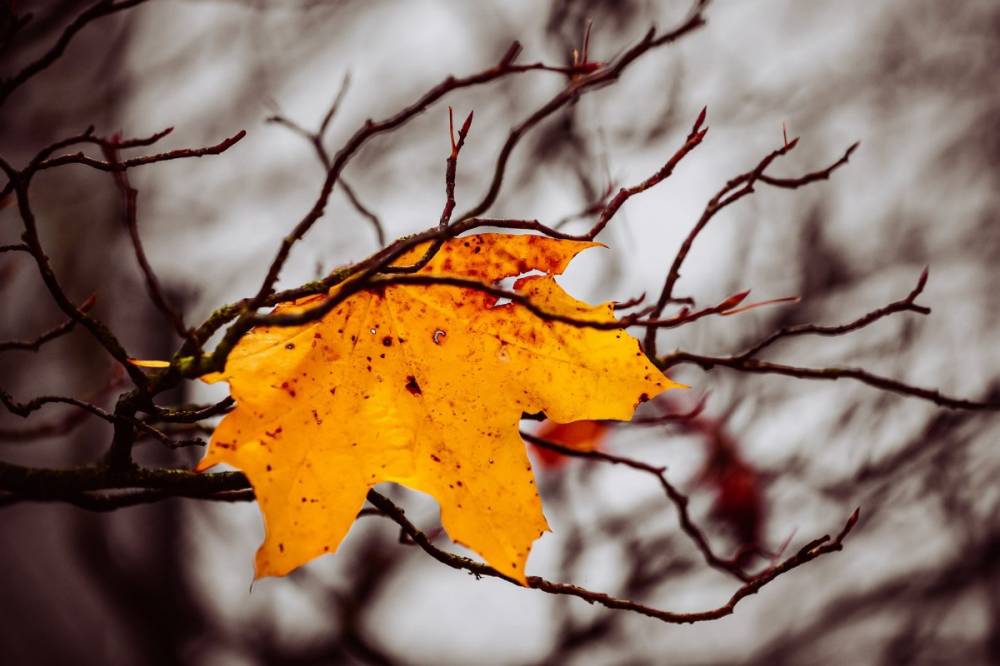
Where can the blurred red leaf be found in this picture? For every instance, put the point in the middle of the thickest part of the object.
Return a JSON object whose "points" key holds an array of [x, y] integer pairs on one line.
{"points": [[578, 435]]}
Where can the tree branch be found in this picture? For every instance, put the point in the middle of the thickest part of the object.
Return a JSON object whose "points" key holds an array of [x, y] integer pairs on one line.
{"points": [[733, 191], [678, 499], [130, 218], [754, 366], [807, 553], [53, 333], [94, 12]]}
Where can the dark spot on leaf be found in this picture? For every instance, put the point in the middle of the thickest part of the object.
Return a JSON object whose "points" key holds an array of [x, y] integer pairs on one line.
{"points": [[290, 345], [387, 341], [281, 547], [435, 458], [412, 386], [438, 334]]}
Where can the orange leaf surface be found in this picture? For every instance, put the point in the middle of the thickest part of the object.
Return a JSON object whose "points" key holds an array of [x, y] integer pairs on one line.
{"points": [[578, 435], [422, 385]]}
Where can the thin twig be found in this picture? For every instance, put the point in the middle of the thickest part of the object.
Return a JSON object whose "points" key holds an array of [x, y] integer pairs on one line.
{"points": [[822, 174], [733, 191], [755, 366], [192, 414], [904, 305], [130, 218], [92, 13], [807, 553], [369, 130], [53, 333], [320, 310], [678, 499], [601, 77], [316, 140], [577, 86], [25, 409], [694, 138], [451, 167], [97, 329], [123, 165]]}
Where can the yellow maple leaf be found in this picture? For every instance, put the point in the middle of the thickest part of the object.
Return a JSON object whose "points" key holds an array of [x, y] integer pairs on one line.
{"points": [[423, 385]]}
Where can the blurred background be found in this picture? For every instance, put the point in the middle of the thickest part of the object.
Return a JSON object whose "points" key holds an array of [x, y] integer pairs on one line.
{"points": [[915, 81]]}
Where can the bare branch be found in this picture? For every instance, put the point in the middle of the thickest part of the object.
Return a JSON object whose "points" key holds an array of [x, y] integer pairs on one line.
{"points": [[94, 12], [671, 417], [123, 165], [679, 500], [53, 333], [904, 305], [754, 366], [315, 139], [365, 212], [332, 111], [733, 191], [728, 306], [17, 247], [193, 414], [98, 330], [822, 174], [371, 129], [690, 143], [807, 553], [130, 218], [451, 167], [54, 483], [24, 409], [577, 86]]}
